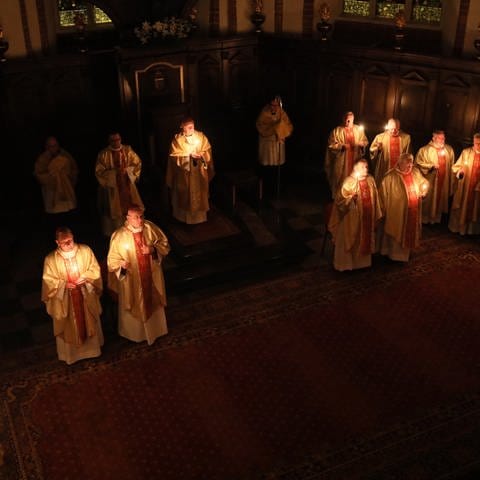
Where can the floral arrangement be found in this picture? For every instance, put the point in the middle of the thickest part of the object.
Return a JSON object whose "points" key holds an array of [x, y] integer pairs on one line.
{"points": [[171, 27], [324, 12], [399, 19]]}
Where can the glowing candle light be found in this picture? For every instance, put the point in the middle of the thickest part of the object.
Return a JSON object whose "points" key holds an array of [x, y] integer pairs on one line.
{"points": [[357, 178]]}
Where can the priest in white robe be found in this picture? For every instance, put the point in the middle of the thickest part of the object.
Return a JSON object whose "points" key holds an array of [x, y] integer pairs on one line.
{"points": [[135, 273], [71, 289]]}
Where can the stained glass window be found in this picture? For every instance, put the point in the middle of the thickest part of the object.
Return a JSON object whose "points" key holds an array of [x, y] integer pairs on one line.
{"points": [[427, 11], [388, 9], [70, 11], [419, 11], [357, 7]]}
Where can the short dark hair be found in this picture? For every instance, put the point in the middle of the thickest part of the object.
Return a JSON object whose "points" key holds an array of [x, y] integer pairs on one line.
{"points": [[62, 231], [135, 208], [186, 120]]}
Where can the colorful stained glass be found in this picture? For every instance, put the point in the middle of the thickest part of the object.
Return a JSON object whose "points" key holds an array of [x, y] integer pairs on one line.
{"points": [[67, 17], [389, 9], [357, 7], [69, 9], [100, 16], [427, 13], [422, 11]]}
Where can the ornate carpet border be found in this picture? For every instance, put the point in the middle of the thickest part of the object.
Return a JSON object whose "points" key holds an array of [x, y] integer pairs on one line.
{"points": [[259, 304], [432, 444]]}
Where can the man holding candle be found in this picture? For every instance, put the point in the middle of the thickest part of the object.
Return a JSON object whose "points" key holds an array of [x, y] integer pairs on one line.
{"points": [[435, 161], [71, 288], [401, 193], [346, 144], [387, 147], [135, 273], [189, 172], [354, 219], [464, 213]]}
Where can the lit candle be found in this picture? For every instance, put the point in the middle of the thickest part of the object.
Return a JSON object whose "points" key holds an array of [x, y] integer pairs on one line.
{"points": [[357, 179], [74, 266]]}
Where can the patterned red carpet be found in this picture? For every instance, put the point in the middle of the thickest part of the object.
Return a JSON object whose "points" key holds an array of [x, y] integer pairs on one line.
{"points": [[371, 374]]}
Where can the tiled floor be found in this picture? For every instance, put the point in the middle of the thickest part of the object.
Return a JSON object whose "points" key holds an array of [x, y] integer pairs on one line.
{"points": [[287, 232]]}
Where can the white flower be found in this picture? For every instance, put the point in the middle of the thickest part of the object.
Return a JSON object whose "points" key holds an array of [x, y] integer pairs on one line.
{"points": [[170, 27], [158, 26]]}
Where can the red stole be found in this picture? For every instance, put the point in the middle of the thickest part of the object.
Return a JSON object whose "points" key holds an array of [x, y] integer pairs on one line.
{"points": [[123, 182], [76, 297], [145, 271], [441, 172], [410, 237], [366, 226], [350, 151], [394, 150], [474, 179]]}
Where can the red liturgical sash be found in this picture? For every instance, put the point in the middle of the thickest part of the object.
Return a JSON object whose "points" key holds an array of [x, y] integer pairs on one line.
{"points": [[442, 171], [367, 218], [474, 179], [76, 297], [145, 270], [394, 150], [409, 240]]}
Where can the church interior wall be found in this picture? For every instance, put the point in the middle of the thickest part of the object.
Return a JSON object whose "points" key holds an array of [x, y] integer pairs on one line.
{"points": [[226, 80]]}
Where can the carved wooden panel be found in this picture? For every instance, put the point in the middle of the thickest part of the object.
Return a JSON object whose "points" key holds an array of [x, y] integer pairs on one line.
{"points": [[340, 92], [453, 108], [27, 99], [275, 79], [413, 103], [165, 123], [160, 84], [210, 85], [376, 98], [241, 78]]}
